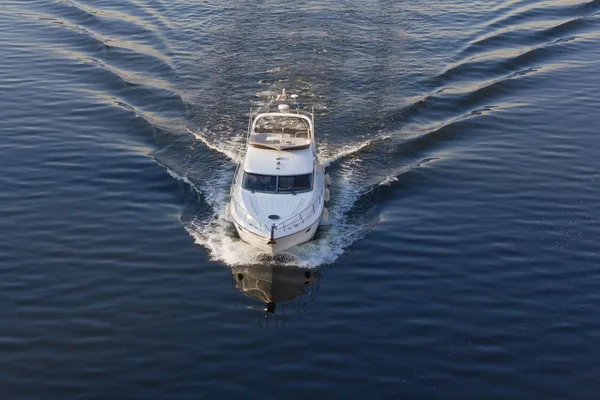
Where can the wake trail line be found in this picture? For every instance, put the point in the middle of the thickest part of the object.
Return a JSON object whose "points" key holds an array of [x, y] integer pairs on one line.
{"points": [[231, 153], [349, 150]]}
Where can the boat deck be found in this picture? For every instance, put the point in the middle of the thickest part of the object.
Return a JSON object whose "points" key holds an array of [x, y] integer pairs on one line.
{"points": [[280, 141]]}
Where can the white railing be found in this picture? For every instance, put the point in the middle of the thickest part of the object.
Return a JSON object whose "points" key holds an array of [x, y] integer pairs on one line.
{"points": [[287, 225], [248, 218], [268, 110], [301, 217]]}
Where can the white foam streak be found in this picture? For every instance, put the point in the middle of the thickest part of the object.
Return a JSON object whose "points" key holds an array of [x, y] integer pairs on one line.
{"points": [[349, 150], [388, 180], [230, 148], [180, 177]]}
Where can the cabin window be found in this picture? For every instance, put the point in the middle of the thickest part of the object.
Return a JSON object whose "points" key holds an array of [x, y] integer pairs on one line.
{"points": [[277, 184], [260, 183], [293, 184]]}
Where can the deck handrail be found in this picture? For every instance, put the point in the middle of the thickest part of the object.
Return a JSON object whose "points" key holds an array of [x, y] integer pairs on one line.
{"points": [[291, 222], [301, 216], [270, 110], [248, 218]]}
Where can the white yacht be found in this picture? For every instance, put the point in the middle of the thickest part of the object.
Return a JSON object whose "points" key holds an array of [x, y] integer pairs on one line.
{"points": [[279, 191]]}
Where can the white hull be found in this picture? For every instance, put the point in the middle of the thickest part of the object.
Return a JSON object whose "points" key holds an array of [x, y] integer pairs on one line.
{"points": [[278, 192], [281, 244]]}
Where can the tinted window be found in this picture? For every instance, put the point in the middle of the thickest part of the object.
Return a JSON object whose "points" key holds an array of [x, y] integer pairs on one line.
{"points": [[298, 183], [259, 183]]}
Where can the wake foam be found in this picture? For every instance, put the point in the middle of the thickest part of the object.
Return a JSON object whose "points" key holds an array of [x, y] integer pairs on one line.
{"points": [[388, 181], [217, 234], [347, 150], [233, 148]]}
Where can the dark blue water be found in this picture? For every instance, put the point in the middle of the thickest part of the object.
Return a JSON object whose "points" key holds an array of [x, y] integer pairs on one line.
{"points": [[462, 260]]}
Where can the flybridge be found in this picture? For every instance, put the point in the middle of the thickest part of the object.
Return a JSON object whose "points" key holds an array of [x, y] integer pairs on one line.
{"points": [[281, 128]]}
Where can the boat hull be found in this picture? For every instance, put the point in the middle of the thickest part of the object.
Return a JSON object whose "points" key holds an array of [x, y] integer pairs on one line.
{"points": [[281, 244]]}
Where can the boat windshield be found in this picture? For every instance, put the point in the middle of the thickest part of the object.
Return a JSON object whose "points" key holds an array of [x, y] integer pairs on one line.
{"points": [[277, 184], [260, 183], [293, 184]]}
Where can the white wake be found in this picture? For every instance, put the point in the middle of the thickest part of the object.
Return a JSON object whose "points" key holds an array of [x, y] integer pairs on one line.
{"points": [[218, 235], [233, 148]]}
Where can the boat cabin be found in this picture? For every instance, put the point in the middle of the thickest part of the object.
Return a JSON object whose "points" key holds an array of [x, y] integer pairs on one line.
{"points": [[280, 156]]}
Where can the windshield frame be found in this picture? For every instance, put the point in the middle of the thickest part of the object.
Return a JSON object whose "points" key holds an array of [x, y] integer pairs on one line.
{"points": [[246, 176]]}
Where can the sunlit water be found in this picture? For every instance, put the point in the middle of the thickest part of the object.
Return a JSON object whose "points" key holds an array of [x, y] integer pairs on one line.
{"points": [[462, 256]]}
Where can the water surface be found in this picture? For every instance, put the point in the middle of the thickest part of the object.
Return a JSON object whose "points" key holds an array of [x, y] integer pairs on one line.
{"points": [[462, 257]]}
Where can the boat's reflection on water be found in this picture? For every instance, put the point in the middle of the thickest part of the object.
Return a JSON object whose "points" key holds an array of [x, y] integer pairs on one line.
{"points": [[292, 287]]}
